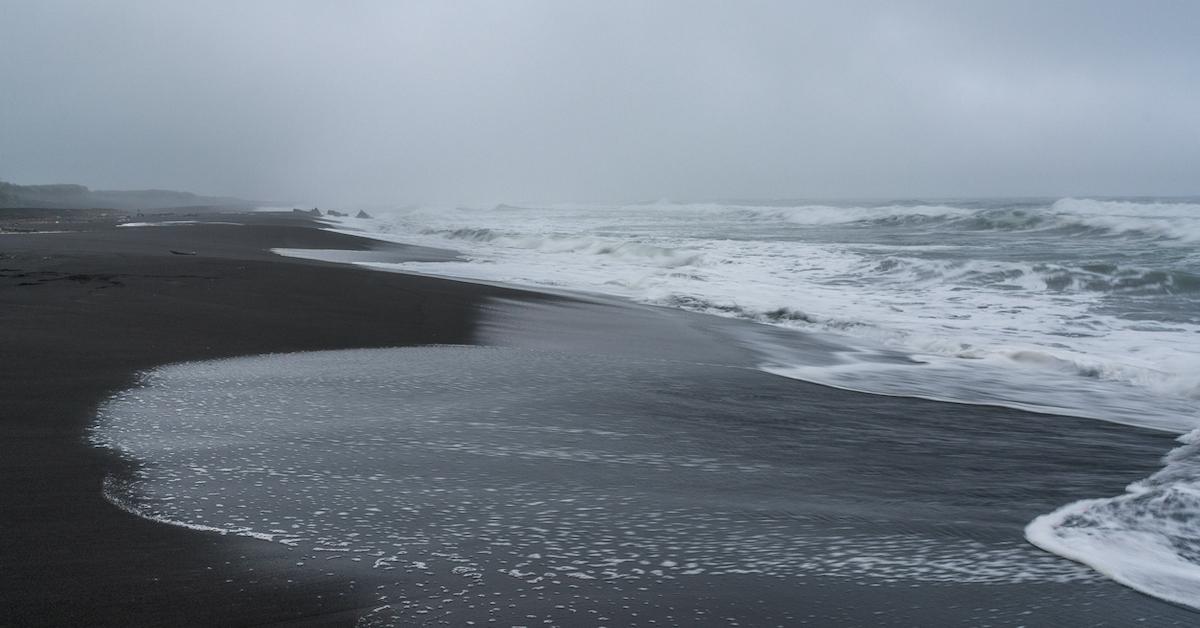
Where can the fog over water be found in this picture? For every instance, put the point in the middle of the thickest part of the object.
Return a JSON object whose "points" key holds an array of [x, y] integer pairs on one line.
{"points": [[433, 102]]}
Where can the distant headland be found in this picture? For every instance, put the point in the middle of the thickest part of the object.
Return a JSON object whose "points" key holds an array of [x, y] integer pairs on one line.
{"points": [[74, 196]]}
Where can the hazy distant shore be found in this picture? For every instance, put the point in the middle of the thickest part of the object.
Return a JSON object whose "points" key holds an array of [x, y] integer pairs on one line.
{"points": [[70, 196], [929, 505]]}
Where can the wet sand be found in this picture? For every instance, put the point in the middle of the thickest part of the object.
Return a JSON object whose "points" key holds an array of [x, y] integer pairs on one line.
{"points": [[80, 314]]}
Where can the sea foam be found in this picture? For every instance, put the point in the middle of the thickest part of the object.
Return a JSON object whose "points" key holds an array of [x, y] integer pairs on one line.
{"points": [[1147, 539]]}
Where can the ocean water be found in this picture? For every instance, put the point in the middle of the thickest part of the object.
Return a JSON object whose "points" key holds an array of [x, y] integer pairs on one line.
{"points": [[1078, 307], [1074, 306]]}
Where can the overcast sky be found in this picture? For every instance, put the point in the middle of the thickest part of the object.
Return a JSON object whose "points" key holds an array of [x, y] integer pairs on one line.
{"points": [[475, 102]]}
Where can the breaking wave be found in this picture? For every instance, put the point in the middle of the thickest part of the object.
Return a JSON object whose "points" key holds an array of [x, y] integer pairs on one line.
{"points": [[1095, 277], [1099, 218], [666, 257]]}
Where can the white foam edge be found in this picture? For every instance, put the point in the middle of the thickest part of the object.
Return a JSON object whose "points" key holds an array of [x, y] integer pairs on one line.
{"points": [[340, 256], [175, 223], [1140, 562], [111, 497], [796, 372]]}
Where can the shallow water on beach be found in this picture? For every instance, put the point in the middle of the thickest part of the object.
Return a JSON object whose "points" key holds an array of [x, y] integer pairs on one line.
{"points": [[466, 482]]}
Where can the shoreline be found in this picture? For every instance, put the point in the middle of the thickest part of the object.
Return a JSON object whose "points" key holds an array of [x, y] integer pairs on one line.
{"points": [[84, 312]]}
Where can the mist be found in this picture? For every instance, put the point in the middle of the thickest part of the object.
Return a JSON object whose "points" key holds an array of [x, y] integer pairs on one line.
{"points": [[371, 103]]}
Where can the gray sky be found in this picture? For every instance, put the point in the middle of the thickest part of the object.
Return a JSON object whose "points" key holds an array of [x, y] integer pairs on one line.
{"points": [[441, 101]]}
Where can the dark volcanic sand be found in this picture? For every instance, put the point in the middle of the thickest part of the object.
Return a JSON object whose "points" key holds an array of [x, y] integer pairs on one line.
{"points": [[82, 312]]}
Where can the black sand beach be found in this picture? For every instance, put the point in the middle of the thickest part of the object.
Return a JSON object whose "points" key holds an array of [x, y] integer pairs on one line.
{"points": [[82, 312]]}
